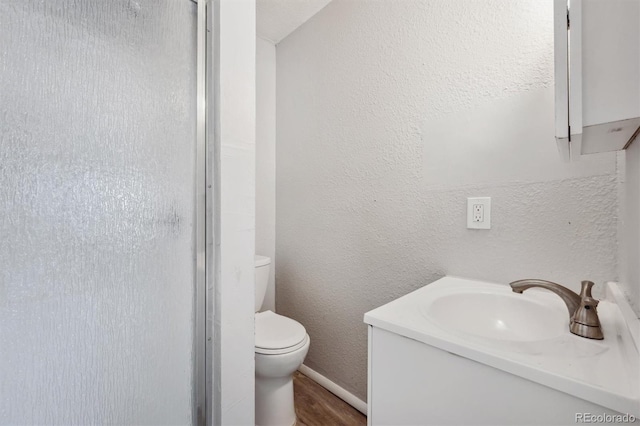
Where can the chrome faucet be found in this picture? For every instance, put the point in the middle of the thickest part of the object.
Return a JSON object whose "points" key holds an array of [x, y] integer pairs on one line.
{"points": [[583, 315]]}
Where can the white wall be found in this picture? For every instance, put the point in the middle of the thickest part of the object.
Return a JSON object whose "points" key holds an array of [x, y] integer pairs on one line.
{"points": [[266, 160], [630, 236], [235, 138], [391, 113]]}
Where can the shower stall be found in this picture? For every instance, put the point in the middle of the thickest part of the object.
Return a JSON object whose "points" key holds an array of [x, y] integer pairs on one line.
{"points": [[103, 155]]}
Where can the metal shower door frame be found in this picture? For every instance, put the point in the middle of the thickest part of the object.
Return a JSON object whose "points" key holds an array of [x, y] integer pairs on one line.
{"points": [[202, 342]]}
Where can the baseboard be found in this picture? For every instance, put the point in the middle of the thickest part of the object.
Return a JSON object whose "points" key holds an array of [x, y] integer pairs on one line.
{"points": [[335, 389]]}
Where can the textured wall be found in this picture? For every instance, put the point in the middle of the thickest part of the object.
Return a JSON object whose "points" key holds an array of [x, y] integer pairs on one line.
{"points": [[390, 114], [266, 160]]}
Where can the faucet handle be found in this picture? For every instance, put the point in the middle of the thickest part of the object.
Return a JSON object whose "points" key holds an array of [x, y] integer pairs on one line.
{"points": [[586, 314], [585, 321], [586, 289]]}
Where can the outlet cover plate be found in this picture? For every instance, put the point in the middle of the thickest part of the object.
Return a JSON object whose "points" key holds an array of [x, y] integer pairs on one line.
{"points": [[482, 205]]}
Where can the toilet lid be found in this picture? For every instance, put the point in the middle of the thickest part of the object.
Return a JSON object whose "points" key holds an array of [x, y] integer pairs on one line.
{"points": [[274, 331]]}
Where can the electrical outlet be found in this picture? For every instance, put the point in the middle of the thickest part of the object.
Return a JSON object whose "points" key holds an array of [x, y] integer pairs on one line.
{"points": [[479, 213]]}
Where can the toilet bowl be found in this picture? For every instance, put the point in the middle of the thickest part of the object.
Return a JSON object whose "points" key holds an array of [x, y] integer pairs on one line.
{"points": [[281, 344]]}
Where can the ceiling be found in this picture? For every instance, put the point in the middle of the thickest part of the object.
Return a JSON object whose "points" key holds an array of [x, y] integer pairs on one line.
{"points": [[276, 19]]}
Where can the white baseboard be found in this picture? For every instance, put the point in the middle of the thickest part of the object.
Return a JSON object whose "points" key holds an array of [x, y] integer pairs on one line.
{"points": [[335, 389]]}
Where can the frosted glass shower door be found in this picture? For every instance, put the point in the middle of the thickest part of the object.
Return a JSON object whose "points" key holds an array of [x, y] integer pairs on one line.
{"points": [[97, 181]]}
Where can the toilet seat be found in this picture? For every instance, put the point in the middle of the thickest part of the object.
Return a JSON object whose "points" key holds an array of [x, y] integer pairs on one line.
{"points": [[276, 334], [282, 351]]}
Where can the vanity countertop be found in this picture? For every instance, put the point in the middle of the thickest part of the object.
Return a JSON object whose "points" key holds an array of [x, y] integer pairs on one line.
{"points": [[605, 372]]}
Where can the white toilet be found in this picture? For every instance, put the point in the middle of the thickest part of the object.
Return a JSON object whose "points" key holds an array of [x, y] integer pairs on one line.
{"points": [[281, 345]]}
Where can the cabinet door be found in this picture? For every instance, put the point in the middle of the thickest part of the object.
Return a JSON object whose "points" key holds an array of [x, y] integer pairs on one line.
{"points": [[412, 383], [610, 60], [561, 70], [597, 55]]}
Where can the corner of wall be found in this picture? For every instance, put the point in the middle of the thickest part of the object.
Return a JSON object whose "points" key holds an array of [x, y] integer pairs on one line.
{"points": [[266, 160]]}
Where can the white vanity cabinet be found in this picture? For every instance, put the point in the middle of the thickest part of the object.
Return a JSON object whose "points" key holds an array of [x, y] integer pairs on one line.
{"points": [[412, 383], [597, 75]]}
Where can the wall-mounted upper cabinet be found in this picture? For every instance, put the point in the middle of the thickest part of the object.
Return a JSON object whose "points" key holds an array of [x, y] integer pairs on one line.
{"points": [[597, 75]]}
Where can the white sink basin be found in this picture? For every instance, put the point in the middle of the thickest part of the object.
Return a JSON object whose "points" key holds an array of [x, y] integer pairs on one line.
{"points": [[502, 316]]}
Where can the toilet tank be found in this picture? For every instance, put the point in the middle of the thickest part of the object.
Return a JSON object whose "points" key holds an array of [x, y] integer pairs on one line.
{"points": [[263, 264]]}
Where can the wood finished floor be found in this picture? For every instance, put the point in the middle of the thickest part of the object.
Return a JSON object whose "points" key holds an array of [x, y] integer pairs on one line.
{"points": [[316, 406]]}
